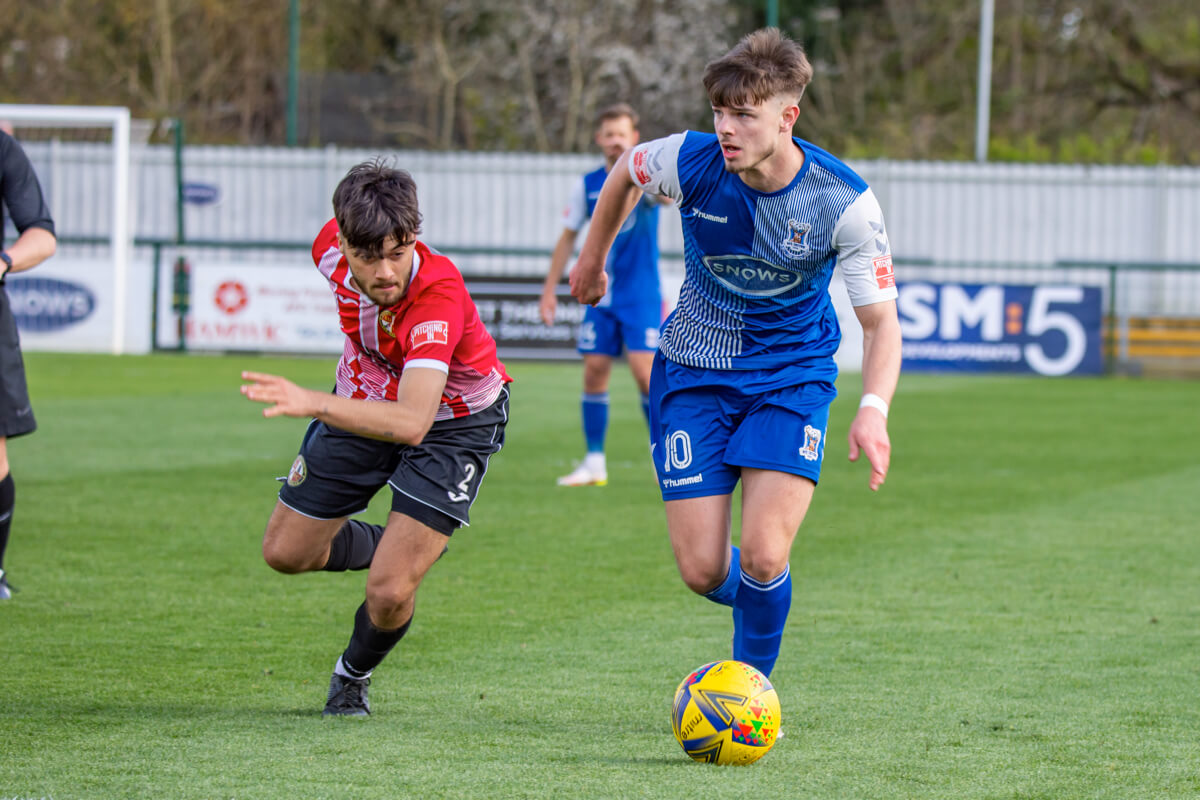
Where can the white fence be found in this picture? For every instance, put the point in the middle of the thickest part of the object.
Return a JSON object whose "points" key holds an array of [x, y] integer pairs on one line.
{"points": [[995, 213], [499, 214]]}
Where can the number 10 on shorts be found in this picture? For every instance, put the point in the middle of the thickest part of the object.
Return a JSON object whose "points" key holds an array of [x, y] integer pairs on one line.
{"points": [[678, 454]]}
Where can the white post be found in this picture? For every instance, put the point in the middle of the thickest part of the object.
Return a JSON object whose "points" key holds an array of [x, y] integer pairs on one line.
{"points": [[983, 95], [121, 238], [120, 229]]}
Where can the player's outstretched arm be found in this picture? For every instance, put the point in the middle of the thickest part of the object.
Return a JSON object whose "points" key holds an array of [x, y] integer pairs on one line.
{"points": [[405, 421], [558, 263], [880, 373], [617, 199]]}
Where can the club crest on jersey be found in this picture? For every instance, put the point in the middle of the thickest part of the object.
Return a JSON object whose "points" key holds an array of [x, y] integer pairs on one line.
{"points": [[387, 318], [433, 332], [812, 444], [752, 277], [298, 472], [796, 244]]}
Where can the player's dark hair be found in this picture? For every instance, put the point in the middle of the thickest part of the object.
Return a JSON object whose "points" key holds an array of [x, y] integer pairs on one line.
{"points": [[762, 65], [616, 111], [375, 201]]}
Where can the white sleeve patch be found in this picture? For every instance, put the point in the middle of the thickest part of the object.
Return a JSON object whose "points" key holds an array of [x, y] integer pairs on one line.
{"points": [[654, 166], [575, 214], [428, 363], [864, 252]]}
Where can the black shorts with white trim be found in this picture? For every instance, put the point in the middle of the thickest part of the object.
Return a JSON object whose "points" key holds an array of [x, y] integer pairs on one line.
{"points": [[337, 473]]}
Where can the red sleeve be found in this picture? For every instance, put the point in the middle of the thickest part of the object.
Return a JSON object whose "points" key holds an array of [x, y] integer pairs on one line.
{"points": [[433, 326], [326, 239]]}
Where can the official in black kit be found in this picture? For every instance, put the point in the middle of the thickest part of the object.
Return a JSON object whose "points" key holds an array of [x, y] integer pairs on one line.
{"points": [[24, 203]]}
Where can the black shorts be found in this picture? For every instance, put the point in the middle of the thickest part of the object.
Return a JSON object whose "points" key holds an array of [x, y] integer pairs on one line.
{"points": [[337, 472], [16, 415]]}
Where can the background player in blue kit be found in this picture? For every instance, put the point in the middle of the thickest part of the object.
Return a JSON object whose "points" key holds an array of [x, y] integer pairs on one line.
{"points": [[628, 316], [744, 375]]}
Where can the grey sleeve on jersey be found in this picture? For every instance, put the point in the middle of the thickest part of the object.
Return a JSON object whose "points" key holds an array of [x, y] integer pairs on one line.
{"points": [[575, 214], [864, 253], [654, 166]]}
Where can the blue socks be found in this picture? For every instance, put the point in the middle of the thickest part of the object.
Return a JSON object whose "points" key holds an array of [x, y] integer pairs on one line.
{"points": [[727, 591], [759, 613], [595, 421]]}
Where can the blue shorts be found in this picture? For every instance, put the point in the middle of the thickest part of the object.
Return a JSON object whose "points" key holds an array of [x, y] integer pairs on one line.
{"points": [[706, 424], [606, 331]]}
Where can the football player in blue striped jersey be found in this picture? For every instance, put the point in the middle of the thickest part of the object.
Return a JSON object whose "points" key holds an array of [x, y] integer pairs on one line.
{"points": [[744, 375]]}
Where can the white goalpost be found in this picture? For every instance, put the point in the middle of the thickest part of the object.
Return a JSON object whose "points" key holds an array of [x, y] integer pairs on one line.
{"points": [[120, 234]]}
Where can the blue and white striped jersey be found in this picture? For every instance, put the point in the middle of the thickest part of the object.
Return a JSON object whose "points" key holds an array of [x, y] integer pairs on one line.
{"points": [[757, 265]]}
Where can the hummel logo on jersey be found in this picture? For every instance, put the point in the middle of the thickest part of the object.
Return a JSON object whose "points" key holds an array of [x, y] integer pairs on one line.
{"points": [[881, 240], [755, 277], [709, 217], [812, 444], [433, 332]]}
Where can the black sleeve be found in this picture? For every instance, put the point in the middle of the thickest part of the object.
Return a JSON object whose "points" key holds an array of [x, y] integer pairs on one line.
{"points": [[20, 190]]}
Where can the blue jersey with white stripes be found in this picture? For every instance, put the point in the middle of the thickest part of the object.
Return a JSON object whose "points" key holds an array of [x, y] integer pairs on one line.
{"points": [[632, 264], [758, 264]]}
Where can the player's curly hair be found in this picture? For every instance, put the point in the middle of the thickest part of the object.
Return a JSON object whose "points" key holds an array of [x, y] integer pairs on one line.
{"points": [[373, 202], [762, 65]]}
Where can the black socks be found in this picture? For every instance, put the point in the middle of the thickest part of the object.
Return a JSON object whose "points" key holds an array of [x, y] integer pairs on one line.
{"points": [[353, 547], [368, 644], [7, 501]]}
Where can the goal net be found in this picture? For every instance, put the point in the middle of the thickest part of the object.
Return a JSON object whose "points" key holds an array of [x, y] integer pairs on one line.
{"points": [[79, 300]]}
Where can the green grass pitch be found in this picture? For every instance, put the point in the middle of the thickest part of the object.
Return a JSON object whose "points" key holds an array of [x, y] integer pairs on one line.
{"points": [[1015, 615]]}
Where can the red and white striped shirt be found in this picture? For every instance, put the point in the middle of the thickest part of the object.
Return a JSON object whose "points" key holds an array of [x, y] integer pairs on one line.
{"points": [[434, 325]]}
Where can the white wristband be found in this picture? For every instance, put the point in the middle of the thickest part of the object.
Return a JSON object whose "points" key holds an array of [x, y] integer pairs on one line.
{"points": [[876, 402]]}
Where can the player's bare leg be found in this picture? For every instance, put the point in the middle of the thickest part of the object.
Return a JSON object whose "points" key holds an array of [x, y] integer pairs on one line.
{"points": [[640, 364], [753, 579], [773, 506], [294, 543], [405, 553], [699, 528], [597, 369]]}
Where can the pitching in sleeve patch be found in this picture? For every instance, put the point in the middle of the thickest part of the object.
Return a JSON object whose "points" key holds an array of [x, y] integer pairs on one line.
{"points": [[432, 332], [641, 166], [885, 275]]}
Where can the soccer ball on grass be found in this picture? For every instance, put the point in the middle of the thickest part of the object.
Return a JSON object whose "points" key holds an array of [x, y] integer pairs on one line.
{"points": [[726, 712]]}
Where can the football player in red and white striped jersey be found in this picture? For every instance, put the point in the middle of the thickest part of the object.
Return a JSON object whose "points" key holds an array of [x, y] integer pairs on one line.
{"points": [[420, 404]]}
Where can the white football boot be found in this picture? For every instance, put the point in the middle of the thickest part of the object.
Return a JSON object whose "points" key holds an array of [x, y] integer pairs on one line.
{"points": [[592, 472]]}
